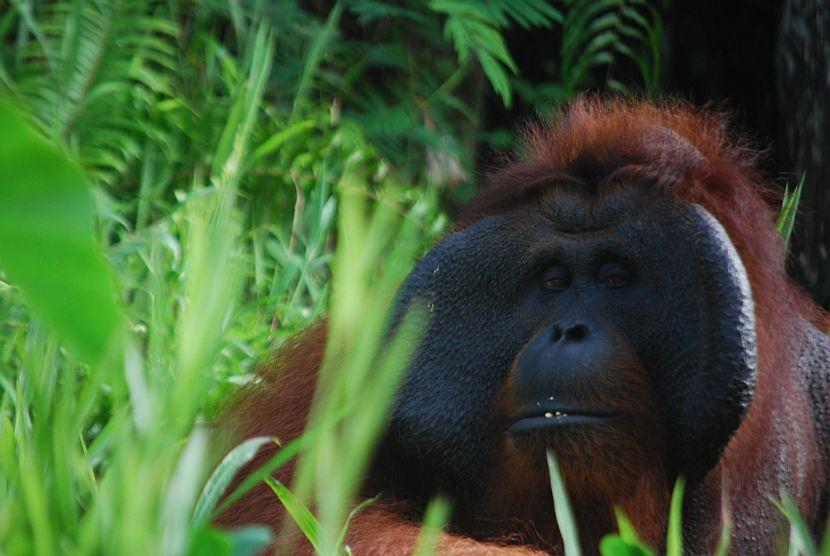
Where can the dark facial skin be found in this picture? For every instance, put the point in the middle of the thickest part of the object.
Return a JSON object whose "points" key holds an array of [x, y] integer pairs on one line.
{"points": [[611, 328]]}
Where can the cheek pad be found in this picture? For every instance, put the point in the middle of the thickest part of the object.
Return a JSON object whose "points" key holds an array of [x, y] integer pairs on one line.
{"points": [[443, 416], [704, 355]]}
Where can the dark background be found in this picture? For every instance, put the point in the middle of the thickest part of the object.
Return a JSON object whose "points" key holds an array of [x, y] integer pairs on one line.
{"points": [[768, 63]]}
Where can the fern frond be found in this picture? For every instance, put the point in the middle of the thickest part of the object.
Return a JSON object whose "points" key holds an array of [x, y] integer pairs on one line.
{"points": [[601, 33], [92, 66]]}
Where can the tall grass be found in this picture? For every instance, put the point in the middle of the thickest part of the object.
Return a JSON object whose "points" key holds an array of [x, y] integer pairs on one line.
{"points": [[104, 444], [131, 308]]}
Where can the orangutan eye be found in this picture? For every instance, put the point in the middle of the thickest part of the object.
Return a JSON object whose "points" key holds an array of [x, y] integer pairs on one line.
{"points": [[613, 275], [556, 279]]}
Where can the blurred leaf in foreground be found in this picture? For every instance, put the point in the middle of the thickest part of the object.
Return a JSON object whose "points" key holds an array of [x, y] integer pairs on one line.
{"points": [[47, 243]]}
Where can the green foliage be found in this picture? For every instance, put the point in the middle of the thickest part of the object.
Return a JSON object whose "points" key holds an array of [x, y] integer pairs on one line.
{"points": [[221, 477], [47, 242], [298, 511], [474, 28], [213, 159], [362, 367], [725, 539], [626, 543], [244, 541], [436, 518], [597, 34], [789, 210], [801, 539]]}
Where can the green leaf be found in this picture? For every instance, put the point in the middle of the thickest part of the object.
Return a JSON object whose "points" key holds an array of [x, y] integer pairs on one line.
{"points": [[316, 51], [726, 528], [435, 520], [241, 541], [47, 243], [8, 452], [341, 538], [801, 539], [562, 506], [824, 549], [627, 543], [210, 541], [674, 537], [613, 545], [278, 139], [298, 511], [278, 460], [222, 476], [248, 541], [472, 29], [497, 76], [789, 210]]}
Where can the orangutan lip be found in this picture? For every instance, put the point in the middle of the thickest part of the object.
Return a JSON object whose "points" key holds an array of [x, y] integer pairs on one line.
{"points": [[541, 417]]}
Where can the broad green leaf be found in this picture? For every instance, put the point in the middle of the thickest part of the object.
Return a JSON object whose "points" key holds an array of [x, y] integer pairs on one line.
{"points": [[210, 541], [47, 241]]}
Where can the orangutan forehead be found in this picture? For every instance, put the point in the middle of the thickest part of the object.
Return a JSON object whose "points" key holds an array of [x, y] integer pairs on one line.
{"points": [[575, 208]]}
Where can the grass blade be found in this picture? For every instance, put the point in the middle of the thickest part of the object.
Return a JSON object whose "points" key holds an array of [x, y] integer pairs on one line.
{"points": [[280, 458], [626, 543], [356, 510], [435, 520], [801, 539], [726, 529], [298, 511], [315, 55], [674, 538], [789, 210], [562, 505], [222, 476]]}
